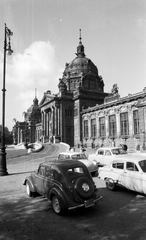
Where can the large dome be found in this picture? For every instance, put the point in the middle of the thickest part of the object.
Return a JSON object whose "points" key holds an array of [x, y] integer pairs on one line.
{"points": [[81, 73], [80, 65]]}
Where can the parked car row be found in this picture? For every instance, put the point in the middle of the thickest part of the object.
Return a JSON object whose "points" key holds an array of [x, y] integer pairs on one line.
{"points": [[68, 184]]}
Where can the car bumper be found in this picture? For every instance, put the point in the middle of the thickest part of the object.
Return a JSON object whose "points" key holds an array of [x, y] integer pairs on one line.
{"points": [[86, 204]]}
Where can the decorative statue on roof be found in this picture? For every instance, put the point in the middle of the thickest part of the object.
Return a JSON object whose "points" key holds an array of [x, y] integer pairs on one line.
{"points": [[62, 86], [115, 89]]}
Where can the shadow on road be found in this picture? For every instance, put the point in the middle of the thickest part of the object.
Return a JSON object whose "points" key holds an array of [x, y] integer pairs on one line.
{"points": [[33, 218]]}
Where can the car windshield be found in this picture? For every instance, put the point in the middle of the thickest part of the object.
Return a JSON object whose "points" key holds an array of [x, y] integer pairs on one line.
{"points": [[118, 151], [79, 156], [142, 164]]}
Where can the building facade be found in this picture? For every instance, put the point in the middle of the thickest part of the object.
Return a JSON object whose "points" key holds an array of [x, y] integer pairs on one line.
{"points": [[82, 113], [117, 121], [26, 131], [80, 86]]}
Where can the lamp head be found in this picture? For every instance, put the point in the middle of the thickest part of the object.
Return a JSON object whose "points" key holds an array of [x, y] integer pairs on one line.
{"points": [[9, 50]]}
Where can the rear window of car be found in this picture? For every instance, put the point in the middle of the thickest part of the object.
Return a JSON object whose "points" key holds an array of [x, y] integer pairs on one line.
{"points": [[76, 170], [118, 151], [143, 165], [78, 156], [64, 157], [130, 166]]}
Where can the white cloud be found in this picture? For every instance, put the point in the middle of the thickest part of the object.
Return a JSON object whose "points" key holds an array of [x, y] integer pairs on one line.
{"points": [[36, 68]]}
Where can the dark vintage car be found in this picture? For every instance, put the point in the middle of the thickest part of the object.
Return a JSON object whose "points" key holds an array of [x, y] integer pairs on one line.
{"points": [[68, 185]]}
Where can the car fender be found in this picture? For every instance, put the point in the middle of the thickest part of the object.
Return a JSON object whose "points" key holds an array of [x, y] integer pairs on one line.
{"points": [[57, 192], [29, 180]]}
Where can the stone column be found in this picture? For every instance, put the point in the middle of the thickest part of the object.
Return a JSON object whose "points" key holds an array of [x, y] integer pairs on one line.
{"points": [[97, 127], [130, 120], [118, 123], [107, 125], [89, 126]]}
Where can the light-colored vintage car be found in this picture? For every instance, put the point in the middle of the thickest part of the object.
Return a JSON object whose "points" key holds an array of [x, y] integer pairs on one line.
{"points": [[128, 172], [70, 155], [103, 156]]}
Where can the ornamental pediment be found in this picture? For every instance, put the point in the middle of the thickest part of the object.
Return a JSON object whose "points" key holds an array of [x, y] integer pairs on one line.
{"points": [[46, 98]]}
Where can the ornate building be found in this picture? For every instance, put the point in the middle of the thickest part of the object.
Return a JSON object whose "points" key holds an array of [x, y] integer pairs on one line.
{"points": [[117, 121], [81, 112], [26, 131], [79, 87]]}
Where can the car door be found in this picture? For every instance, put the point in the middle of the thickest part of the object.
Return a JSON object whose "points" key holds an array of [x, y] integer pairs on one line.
{"points": [[117, 170], [142, 165], [99, 156], [48, 180], [107, 157], [39, 180], [132, 177]]}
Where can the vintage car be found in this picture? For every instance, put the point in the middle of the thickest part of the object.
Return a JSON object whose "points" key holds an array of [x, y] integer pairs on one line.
{"points": [[128, 172], [103, 156], [90, 164], [68, 185]]}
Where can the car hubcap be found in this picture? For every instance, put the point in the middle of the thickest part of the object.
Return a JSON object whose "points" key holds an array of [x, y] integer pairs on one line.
{"points": [[56, 205]]}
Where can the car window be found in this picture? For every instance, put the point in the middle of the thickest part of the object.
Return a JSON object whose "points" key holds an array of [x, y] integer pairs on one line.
{"points": [[100, 152], [118, 151], [130, 166], [41, 170], [119, 165], [143, 165], [63, 157], [73, 171], [48, 172], [107, 153], [78, 156]]}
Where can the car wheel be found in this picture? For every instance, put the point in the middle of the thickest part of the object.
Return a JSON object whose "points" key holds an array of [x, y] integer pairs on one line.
{"points": [[28, 190], [56, 205], [110, 184], [84, 187]]}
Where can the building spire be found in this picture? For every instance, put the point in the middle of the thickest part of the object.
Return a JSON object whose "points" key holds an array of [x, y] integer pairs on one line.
{"points": [[80, 48], [80, 38], [35, 93], [35, 101]]}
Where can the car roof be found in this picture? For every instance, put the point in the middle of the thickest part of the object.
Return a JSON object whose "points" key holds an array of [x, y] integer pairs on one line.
{"points": [[108, 148], [70, 153], [130, 158], [63, 164]]}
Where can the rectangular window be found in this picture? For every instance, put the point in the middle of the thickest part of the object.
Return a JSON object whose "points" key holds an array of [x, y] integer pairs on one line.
{"points": [[124, 124], [68, 112], [86, 128], [112, 126], [75, 112], [102, 127], [93, 127], [136, 122]]}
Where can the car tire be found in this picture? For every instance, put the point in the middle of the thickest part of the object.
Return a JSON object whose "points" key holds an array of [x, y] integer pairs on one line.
{"points": [[28, 190], [110, 184], [56, 205], [80, 189]]}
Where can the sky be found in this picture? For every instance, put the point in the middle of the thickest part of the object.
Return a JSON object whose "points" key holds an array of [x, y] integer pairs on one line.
{"points": [[46, 36]]}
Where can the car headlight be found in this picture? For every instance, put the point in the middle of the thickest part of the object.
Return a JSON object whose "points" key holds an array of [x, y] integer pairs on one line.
{"points": [[85, 187]]}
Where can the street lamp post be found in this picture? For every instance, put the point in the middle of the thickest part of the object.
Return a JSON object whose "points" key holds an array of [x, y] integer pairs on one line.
{"points": [[7, 48]]}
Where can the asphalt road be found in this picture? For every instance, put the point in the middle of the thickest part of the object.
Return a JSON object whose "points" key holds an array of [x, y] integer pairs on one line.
{"points": [[119, 215]]}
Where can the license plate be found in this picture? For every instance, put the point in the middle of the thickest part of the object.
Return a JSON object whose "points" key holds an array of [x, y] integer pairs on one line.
{"points": [[89, 203]]}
